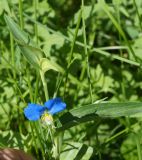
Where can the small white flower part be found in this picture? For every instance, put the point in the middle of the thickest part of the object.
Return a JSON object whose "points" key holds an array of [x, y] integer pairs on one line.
{"points": [[47, 119]]}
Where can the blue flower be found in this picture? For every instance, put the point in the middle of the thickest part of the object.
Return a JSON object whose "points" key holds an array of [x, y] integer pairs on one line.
{"points": [[33, 111]]}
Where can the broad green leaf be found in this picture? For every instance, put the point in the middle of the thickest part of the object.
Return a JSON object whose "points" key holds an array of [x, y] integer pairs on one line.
{"points": [[76, 151], [96, 111]]}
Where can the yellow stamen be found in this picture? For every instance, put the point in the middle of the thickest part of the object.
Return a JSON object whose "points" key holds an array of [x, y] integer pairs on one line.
{"points": [[46, 118]]}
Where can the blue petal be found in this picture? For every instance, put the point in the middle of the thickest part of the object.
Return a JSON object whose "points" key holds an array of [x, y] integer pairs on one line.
{"points": [[34, 111], [50, 103], [56, 106]]}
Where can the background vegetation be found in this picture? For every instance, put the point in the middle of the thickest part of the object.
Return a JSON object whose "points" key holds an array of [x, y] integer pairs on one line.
{"points": [[89, 53]]}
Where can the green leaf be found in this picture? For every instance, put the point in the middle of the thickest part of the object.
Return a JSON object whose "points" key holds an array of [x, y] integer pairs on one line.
{"points": [[68, 120], [97, 50], [96, 111], [129, 146], [14, 139], [106, 9], [4, 6], [76, 151], [109, 109], [16, 31], [47, 64], [32, 54]]}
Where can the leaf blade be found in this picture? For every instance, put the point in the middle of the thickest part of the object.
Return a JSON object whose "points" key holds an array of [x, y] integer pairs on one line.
{"points": [[97, 111]]}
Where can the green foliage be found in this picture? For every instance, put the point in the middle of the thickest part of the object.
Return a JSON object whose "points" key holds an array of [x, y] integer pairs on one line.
{"points": [[89, 54]]}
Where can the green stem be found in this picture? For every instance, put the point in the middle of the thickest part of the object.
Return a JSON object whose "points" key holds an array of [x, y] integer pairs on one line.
{"points": [[29, 85], [120, 39], [44, 85], [121, 133], [58, 83], [71, 51], [123, 80], [98, 146], [21, 14], [36, 35], [14, 77], [86, 54], [36, 86], [34, 140], [12, 54], [138, 146], [35, 25], [118, 27], [40, 139], [99, 50]]}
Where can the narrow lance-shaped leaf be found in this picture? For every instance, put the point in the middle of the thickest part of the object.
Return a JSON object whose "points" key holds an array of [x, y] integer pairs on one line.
{"points": [[30, 51], [96, 111], [15, 29], [109, 109], [32, 54], [26, 45]]}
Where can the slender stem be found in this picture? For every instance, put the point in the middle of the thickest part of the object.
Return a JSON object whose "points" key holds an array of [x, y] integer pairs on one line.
{"points": [[71, 51], [36, 35], [118, 27], [74, 38], [29, 85], [58, 83], [44, 85], [14, 77], [123, 80], [98, 50], [126, 130], [120, 39], [98, 145], [138, 146], [34, 140], [19, 91], [86, 53], [39, 134], [12, 54], [35, 25], [36, 86], [21, 14]]}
